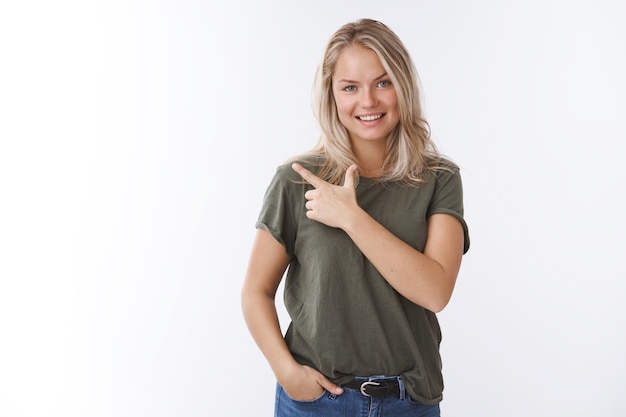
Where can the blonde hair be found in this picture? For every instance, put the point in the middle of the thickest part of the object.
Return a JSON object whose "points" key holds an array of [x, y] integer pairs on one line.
{"points": [[410, 151]]}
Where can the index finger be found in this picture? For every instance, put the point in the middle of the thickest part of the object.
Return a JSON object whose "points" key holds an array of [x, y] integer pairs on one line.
{"points": [[308, 176]]}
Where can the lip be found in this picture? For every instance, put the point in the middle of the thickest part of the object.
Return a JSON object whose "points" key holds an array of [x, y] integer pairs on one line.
{"points": [[374, 117]]}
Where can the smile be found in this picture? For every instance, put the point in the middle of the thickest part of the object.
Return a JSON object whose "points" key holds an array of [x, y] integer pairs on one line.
{"points": [[371, 117]]}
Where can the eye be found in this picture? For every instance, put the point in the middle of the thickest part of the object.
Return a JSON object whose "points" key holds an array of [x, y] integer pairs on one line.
{"points": [[349, 88], [383, 84]]}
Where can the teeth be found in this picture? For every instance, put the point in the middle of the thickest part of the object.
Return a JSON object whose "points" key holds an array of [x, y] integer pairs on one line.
{"points": [[370, 118]]}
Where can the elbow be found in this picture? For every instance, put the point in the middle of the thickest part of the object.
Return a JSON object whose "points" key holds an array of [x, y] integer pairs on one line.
{"points": [[441, 295], [251, 297], [248, 306], [434, 303], [438, 306], [247, 300], [438, 302]]}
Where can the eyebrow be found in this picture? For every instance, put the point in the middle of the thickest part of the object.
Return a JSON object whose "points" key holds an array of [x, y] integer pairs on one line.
{"points": [[356, 82]]}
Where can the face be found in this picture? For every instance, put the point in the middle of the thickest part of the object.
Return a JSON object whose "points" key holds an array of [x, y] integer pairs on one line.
{"points": [[366, 100]]}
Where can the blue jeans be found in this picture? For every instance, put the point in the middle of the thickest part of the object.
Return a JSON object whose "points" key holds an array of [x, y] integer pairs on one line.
{"points": [[353, 404]]}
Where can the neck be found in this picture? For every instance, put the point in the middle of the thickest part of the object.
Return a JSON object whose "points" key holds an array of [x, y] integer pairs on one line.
{"points": [[369, 155], [370, 161]]}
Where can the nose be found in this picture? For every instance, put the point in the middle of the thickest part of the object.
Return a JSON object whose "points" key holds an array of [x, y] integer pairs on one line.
{"points": [[368, 99]]}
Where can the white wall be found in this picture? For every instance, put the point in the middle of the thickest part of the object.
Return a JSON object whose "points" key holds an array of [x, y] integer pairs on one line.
{"points": [[137, 139]]}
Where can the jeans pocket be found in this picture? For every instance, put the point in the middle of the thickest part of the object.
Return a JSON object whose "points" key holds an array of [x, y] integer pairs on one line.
{"points": [[411, 400], [424, 410], [318, 398]]}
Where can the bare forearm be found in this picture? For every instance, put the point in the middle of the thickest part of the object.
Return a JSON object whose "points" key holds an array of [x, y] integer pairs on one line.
{"points": [[299, 381], [413, 274]]}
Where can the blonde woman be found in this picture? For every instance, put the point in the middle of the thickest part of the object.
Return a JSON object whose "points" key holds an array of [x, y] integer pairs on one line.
{"points": [[369, 228]]}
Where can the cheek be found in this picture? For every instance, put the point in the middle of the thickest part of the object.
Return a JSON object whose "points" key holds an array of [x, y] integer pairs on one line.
{"points": [[343, 106], [344, 110], [392, 101]]}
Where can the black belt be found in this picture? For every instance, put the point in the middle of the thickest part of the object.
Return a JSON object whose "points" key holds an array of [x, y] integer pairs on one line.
{"points": [[374, 388]]}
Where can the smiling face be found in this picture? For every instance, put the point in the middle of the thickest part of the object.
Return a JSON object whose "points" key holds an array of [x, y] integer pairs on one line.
{"points": [[367, 104]]}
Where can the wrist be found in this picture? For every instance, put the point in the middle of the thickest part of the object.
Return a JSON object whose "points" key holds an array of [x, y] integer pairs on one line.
{"points": [[285, 370], [353, 220]]}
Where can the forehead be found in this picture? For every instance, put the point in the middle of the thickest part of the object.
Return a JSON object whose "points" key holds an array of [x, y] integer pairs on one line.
{"points": [[358, 63]]}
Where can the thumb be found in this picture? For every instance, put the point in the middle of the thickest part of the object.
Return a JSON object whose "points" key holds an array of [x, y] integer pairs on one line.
{"points": [[329, 385], [348, 181]]}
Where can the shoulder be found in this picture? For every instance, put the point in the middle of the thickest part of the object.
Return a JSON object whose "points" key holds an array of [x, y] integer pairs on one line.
{"points": [[442, 168], [443, 163], [286, 177], [311, 162]]}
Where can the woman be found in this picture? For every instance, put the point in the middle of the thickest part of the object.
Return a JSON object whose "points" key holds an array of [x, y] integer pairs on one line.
{"points": [[369, 227]]}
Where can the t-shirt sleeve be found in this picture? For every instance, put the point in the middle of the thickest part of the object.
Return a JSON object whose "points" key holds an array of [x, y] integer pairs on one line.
{"points": [[448, 199], [277, 211]]}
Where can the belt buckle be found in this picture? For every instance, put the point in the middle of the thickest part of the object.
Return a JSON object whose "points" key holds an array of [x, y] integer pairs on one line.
{"points": [[364, 386]]}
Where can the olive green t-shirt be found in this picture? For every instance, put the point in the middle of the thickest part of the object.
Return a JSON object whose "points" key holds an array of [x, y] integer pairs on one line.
{"points": [[346, 320]]}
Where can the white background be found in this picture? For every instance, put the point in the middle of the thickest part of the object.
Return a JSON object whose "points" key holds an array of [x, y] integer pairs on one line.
{"points": [[137, 139]]}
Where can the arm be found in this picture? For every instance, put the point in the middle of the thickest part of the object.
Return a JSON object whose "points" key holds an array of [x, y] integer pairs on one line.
{"points": [[266, 267], [427, 278]]}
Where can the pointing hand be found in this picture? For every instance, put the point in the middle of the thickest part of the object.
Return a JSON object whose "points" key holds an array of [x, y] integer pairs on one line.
{"points": [[327, 203]]}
